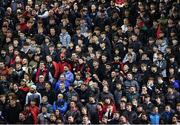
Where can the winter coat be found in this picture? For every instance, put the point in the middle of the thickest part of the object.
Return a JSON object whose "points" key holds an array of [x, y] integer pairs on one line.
{"points": [[92, 108], [129, 83], [161, 64], [154, 119], [61, 105], [65, 39], [167, 117], [12, 114], [43, 118], [31, 96], [34, 110], [67, 84]]}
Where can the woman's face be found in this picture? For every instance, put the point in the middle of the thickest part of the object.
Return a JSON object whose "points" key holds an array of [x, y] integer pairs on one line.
{"points": [[174, 119]]}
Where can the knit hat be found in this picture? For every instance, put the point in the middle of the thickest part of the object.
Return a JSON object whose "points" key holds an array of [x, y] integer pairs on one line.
{"points": [[33, 86]]}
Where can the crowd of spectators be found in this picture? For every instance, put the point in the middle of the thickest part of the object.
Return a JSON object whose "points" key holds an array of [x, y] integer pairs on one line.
{"points": [[89, 61]]}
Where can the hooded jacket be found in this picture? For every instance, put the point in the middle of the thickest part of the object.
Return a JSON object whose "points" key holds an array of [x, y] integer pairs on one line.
{"points": [[61, 105]]}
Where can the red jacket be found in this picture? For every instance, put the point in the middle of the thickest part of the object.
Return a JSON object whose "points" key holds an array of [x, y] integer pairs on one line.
{"points": [[56, 69], [34, 110], [61, 66], [24, 89], [44, 73], [23, 26], [105, 106]]}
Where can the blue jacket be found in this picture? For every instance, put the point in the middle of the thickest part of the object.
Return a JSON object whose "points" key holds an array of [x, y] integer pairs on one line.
{"points": [[166, 117], [65, 39], [154, 119], [61, 105], [176, 84], [69, 76], [67, 84]]}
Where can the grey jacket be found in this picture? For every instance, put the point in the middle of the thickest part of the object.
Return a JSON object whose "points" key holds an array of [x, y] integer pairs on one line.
{"points": [[43, 118], [129, 83]]}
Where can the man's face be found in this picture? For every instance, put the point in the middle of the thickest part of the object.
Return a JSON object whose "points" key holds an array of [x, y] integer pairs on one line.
{"points": [[63, 31], [154, 69], [12, 102], [129, 107], [83, 87], [32, 89], [129, 76], [70, 119], [62, 86], [178, 108], [160, 56], [132, 89], [44, 109], [118, 86], [18, 66], [41, 78], [144, 117], [48, 59], [66, 68], [52, 31], [122, 120], [113, 74], [62, 77], [1, 65], [116, 116], [44, 99], [21, 116]]}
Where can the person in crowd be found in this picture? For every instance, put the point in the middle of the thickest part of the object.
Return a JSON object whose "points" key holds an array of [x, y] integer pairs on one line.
{"points": [[60, 104], [33, 95], [44, 116]]}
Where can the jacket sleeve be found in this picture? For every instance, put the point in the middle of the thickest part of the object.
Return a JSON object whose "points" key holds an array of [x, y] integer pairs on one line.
{"points": [[64, 108], [68, 40], [56, 67], [163, 66], [70, 78], [56, 86], [54, 106], [45, 15], [27, 96]]}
